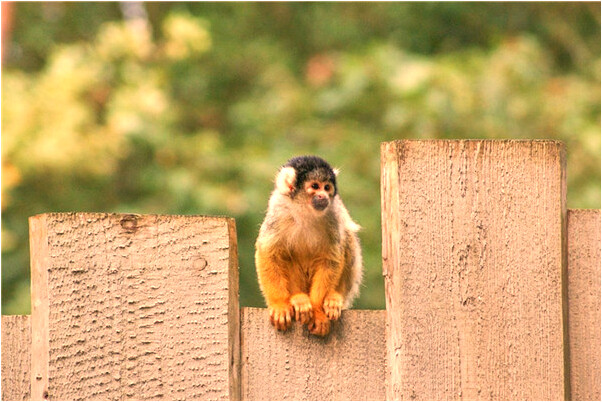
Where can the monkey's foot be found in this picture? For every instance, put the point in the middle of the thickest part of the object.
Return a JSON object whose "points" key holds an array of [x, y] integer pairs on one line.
{"points": [[281, 315], [319, 324], [333, 304], [302, 307]]}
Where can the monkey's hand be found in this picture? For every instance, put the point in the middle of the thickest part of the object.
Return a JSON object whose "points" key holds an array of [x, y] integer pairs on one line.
{"points": [[302, 307], [319, 324], [281, 315], [333, 304]]}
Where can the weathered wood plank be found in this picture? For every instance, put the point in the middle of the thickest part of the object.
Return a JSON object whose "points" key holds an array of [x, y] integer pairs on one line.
{"points": [[349, 364], [474, 263], [584, 303], [134, 307], [16, 357]]}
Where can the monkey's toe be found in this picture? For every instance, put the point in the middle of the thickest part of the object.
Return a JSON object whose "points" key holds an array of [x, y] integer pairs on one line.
{"points": [[333, 304], [281, 316], [319, 328], [319, 325], [302, 307]]}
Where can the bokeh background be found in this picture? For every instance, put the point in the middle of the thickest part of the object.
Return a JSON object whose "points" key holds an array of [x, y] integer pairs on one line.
{"points": [[190, 108]]}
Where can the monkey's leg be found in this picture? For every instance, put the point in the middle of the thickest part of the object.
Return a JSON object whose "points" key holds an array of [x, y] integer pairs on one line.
{"points": [[322, 282], [299, 299], [274, 285]]}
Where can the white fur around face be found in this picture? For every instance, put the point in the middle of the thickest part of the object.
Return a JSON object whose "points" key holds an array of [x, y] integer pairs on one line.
{"points": [[285, 180]]}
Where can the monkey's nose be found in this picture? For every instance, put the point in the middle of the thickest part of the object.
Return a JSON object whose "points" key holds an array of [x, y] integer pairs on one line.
{"points": [[319, 202]]}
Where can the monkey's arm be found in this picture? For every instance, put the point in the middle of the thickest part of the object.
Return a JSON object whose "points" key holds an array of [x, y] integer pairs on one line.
{"points": [[273, 282], [352, 272]]}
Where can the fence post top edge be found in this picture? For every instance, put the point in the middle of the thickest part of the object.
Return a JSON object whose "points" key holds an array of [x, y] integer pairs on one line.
{"points": [[66, 215], [474, 140]]}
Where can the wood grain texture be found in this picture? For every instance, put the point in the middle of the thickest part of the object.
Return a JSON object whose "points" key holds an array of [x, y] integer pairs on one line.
{"points": [[474, 263], [349, 364], [134, 307], [584, 303], [16, 357]]}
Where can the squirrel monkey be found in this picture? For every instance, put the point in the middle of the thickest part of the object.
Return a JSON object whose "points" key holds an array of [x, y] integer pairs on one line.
{"points": [[308, 256]]}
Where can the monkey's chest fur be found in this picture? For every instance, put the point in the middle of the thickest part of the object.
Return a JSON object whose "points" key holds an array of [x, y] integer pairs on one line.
{"points": [[304, 242]]}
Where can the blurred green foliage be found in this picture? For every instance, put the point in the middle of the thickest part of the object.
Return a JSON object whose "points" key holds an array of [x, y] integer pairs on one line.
{"points": [[192, 109]]}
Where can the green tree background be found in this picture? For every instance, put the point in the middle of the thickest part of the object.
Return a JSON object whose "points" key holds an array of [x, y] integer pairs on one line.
{"points": [[190, 108]]}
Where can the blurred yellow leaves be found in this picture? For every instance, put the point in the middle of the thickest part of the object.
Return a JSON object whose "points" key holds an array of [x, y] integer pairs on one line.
{"points": [[412, 74], [46, 125], [78, 113], [121, 41], [185, 36]]}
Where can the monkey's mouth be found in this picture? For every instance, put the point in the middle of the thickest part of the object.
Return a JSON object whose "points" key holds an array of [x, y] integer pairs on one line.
{"points": [[319, 204]]}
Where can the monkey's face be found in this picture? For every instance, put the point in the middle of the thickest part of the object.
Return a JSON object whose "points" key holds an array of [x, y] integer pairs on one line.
{"points": [[308, 181], [318, 194]]}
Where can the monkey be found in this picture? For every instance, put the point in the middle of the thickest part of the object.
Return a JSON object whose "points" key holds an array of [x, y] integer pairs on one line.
{"points": [[307, 254]]}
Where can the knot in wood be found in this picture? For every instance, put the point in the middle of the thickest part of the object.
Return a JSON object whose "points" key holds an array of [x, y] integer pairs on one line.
{"points": [[200, 263], [129, 223]]}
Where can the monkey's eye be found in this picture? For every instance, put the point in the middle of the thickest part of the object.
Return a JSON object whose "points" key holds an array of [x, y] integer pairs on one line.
{"points": [[315, 186], [327, 187]]}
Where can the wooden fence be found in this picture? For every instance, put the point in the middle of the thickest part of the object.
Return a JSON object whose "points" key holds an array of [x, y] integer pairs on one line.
{"points": [[492, 292]]}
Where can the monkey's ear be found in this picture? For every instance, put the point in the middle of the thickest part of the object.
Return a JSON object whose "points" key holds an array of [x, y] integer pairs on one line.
{"points": [[285, 180], [336, 171]]}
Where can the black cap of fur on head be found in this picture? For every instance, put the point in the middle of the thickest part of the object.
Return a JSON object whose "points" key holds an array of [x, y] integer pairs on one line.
{"points": [[312, 168]]}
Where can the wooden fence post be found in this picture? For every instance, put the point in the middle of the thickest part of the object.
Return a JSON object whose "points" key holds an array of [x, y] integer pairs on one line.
{"points": [[348, 364], [16, 357], [584, 303], [474, 261], [134, 307]]}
